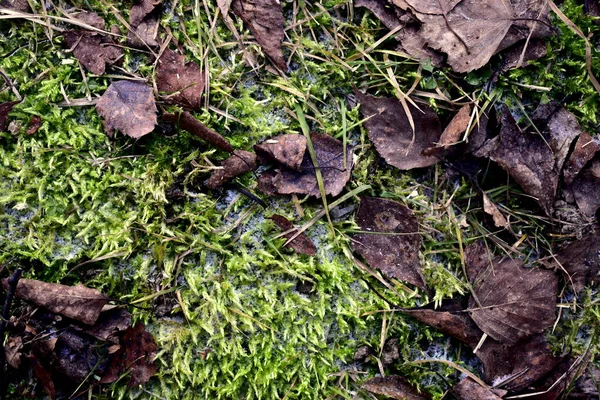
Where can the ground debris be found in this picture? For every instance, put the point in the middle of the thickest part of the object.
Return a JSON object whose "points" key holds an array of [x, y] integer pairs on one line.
{"points": [[394, 387], [468, 389], [5, 109], [188, 122], [182, 83], [288, 150], [302, 243], [144, 23], [580, 260], [238, 163]]}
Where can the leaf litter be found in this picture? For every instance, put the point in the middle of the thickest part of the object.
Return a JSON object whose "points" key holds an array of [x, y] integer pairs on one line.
{"points": [[181, 82]]}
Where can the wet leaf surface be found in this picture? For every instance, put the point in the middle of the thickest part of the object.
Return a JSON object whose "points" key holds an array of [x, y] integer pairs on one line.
{"points": [[330, 159], [76, 302], [288, 150], [180, 82], [394, 387], [468, 389], [237, 164], [302, 243], [517, 302], [390, 131], [188, 122], [394, 245], [129, 107], [265, 20]]}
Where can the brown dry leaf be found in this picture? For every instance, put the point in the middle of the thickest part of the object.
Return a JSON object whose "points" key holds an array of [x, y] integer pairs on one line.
{"points": [[109, 324], [76, 302], [585, 149], [530, 21], [188, 122], [393, 247], [287, 150], [93, 50], [302, 243], [265, 20], [43, 376], [468, 31], [581, 260], [528, 160], [16, 5], [561, 378], [129, 107], [477, 259], [144, 21], [237, 164], [330, 159], [517, 302], [394, 387], [586, 189], [468, 389], [384, 11], [490, 208], [34, 124], [515, 58], [12, 351], [455, 129], [390, 131], [182, 82], [5, 109]]}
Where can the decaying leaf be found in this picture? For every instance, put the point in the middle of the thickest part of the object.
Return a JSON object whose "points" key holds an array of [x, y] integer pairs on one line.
{"points": [[390, 131], [237, 164], [585, 149], [468, 31], [182, 83], [265, 20], [468, 389], [457, 126], [394, 387], [477, 259], [530, 21], [586, 189], [490, 208], [516, 302], [143, 19], [34, 124], [16, 5], [76, 302], [520, 55], [393, 246], [109, 324], [581, 261], [387, 13], [288, 150], [186, 121], [330, 159], [12, 351], [528, 160], [129, 107], [302, 243], [93, 50], [5, 108]]}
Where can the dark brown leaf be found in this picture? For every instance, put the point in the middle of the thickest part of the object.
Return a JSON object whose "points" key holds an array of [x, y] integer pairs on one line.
{"points": [[468, 389], [265, 20], [141, 9], [34, 125], [6, 108], [43, 376], [16, 5], [302, 243], [12, 351], [144, 20], [586, 189], [491, 209], [109, 324], [393, 247], [188, 122], [183, 83], [466, 31], [581, 261], [560, 378], [75, 302], [384, 11], [585, 149], [530, 21], [517, 302], [528, 159], [395, 387], [238, 163], [477, 259], [287, 150], [330, 158], [129, 107], [390, 131], [514, 57]]}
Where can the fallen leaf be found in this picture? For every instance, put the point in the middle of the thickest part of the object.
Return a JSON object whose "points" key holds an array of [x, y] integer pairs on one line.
{"points": [[141, 9], [109, 324], [43, 376], [182, 82], [477, 259], [580, 259], [585, 149], [586, 387], [76, 356], [395, 387], [76, 302], [265, 20], [560, 379], [34, 125], [393, 247], [287, 150], [384, 11], [390, 131], [468, 31], [516, 302], [490, 208], [93, 50], [468, 389], [528, 160], [390, 351], [129, 107], [457, 126], [144, 21], [514, 57], [302, 243], [330, 159], [12, 351], [237, 164], [188, 122], [5, 109], [16, 5], [586, 189], [530, 21]]}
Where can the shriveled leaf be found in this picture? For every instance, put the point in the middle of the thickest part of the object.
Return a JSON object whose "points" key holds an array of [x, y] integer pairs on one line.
{"points": [[76, 302], [287, 150], [586, 189], [237, 164], [129, 107], [468, 389], [516, 302], [182, 83], [188, 122], [581, 261], [6, 108], [585, 149], [395, 387], [528, 160], [390, 131], [330, 158], [468, 31], [265, 20], [456, 128], [490, 208], [43, 376], [302, 243], [393, 246]]}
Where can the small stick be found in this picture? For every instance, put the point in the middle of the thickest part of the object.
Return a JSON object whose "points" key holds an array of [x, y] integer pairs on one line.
{"points": [[12, 288]]}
